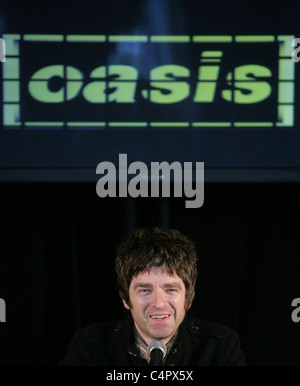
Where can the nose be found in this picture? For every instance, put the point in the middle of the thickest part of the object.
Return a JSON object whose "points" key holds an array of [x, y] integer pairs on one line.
{"points": [[158, 299]]}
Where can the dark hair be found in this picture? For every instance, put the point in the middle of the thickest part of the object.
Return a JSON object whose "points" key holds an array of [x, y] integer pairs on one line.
{"points": [[156, 247]]}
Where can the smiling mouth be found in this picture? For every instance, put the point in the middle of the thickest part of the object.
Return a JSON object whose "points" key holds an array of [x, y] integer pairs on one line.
{"points": [[159, 317]]}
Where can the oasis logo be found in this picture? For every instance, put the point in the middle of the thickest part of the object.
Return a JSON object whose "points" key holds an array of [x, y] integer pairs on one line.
{"points": [[2, 310], [86, 81], [168, 84]]}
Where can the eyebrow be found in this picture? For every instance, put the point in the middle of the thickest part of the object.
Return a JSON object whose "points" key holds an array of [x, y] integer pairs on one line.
{"points": [[176, 285], [144, 285], [149, 285]]}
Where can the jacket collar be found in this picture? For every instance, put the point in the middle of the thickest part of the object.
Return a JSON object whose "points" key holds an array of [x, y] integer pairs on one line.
{"points": [[175, 353]]}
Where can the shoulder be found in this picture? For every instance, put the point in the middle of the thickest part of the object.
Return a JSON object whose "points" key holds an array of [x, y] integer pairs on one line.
{"points": [[219, 345], [94, 344], [204, 328], [101, 331]]}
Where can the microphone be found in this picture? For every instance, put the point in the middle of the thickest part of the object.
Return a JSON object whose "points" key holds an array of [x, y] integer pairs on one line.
{"points": [[157, 351]]}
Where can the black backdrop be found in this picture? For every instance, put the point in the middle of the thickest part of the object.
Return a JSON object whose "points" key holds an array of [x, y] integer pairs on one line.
{"points": [[57, 249], [57, 239]]}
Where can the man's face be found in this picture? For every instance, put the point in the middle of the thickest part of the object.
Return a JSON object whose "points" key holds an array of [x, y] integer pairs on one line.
{"points": [[157, 304]]}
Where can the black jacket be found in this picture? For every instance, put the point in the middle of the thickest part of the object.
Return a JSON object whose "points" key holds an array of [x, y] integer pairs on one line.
{"points": [[199, 343]]}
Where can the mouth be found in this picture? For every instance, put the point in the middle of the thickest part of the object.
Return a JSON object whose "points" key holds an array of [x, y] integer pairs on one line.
{"points": [[159, 318]]}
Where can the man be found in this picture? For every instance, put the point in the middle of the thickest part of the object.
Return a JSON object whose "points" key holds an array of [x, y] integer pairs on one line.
{"points": [[156, 276]]}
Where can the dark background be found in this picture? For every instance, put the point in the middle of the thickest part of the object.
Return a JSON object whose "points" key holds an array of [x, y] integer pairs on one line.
{"points": [[57, 249], [58, 238]]}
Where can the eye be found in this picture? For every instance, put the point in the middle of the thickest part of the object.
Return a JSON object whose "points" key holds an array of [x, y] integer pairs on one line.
{"points": [[171, 290], [144, 291]]}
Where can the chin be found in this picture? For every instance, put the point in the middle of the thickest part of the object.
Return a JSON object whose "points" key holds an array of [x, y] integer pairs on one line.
{"points": [[161, 333]]}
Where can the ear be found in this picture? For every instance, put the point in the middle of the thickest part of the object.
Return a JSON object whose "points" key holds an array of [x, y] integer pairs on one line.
{"points": [[188, 305], [125, 304], [191, 301]]}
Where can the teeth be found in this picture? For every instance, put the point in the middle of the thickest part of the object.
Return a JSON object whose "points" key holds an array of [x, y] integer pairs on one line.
{"points": [[158, 316]]}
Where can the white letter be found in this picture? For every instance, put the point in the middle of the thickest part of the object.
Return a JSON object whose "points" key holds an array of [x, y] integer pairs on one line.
{"points": [[2, 311], [188, 184], [109, 178], [166, 171], [122, 175], [2, 50], [109, 377], [141, 178], [296, 58], [136, 377], [296, 313]]}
